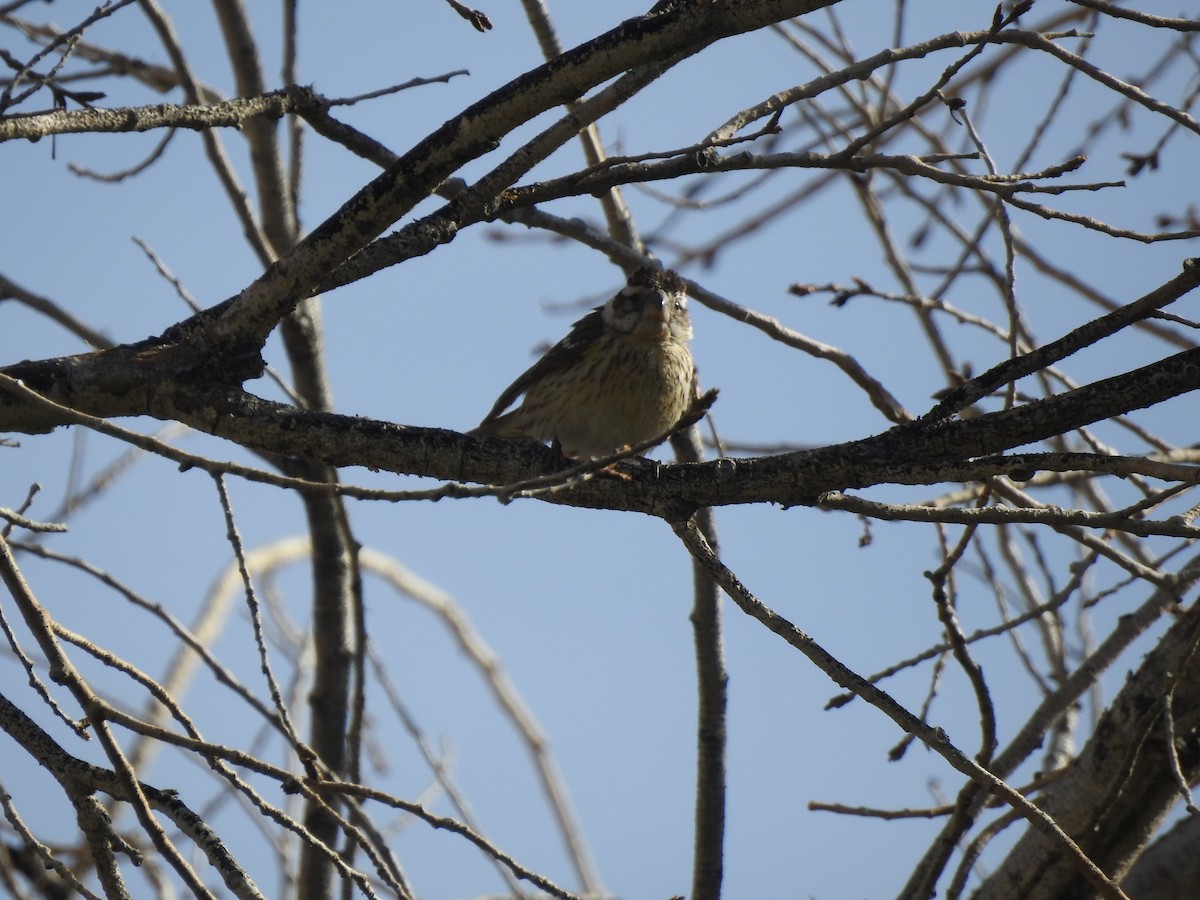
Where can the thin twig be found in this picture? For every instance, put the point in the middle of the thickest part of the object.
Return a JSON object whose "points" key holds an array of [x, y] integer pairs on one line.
{"points": [[934, 738]]}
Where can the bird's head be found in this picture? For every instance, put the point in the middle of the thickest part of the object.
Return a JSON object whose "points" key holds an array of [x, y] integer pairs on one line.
{"points": [[651, 306]]}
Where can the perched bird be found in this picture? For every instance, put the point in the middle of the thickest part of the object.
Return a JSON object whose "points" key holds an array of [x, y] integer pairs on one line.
{"points": [[621, 376]]}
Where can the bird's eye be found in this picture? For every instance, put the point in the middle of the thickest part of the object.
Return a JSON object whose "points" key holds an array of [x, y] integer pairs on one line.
{"points": [[625, 303]]}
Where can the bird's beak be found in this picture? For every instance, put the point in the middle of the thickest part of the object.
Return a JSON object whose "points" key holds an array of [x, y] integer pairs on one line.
{"points": [[656, 308], [654, 317]]}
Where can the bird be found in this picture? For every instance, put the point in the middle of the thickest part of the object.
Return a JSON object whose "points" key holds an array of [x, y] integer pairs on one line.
{"points": [[622, 375]]}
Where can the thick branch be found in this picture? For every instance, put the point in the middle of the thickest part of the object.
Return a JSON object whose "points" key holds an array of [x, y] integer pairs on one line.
{"points": [[1069, 853], [1115, 795], [917, 453], [678, 32], [226, 114]]}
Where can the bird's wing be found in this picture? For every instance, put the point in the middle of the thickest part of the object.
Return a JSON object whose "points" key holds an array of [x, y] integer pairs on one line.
{"points": [[560, 356]]}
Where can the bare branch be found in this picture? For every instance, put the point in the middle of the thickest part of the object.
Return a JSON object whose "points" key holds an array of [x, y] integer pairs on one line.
{"points": [[934, 738]]}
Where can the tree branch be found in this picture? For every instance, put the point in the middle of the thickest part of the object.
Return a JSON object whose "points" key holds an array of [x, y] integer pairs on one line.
{"points": [[934, 738]]}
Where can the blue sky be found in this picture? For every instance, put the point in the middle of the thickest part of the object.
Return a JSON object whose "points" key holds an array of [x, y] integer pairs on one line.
{"points": [[588, 611]]}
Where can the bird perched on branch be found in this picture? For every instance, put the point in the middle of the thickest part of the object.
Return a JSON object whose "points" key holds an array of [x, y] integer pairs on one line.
{"points": [[623, 375]]}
